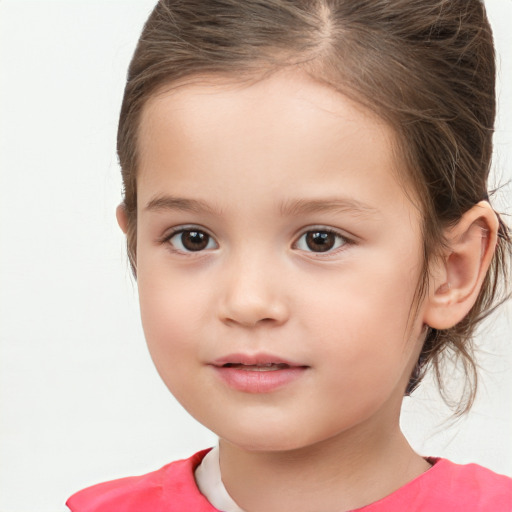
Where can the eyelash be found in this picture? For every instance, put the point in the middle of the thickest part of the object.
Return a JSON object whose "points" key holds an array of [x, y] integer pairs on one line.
{"points": [[340, 239], [187, 229]]}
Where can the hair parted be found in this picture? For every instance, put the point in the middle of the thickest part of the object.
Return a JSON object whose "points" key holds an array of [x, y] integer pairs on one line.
{"points": [[427, 67]]}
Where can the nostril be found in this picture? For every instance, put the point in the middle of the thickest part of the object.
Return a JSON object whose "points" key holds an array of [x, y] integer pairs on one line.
{"points": [[252, 306]]}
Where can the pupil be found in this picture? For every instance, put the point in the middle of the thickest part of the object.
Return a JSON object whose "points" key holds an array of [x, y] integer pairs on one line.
{"points": [[320, 241], [194, 240]]}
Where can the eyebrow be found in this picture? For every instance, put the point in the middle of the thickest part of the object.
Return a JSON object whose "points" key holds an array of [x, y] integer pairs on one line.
{"points": [[341, 205], [162, 203], [288, 208]]}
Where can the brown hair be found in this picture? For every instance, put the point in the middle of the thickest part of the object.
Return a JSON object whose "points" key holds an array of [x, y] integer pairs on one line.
{"points": [[426, 67]]}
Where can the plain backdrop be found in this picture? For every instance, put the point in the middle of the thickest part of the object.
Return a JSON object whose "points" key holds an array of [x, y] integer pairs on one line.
{"points": [[80, 400]]}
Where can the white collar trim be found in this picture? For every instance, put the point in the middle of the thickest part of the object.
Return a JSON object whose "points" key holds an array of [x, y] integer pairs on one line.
{"points": [[209, 481]]}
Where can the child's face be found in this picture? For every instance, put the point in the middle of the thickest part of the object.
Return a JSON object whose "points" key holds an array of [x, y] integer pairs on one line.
{"points": [[272, 229]]}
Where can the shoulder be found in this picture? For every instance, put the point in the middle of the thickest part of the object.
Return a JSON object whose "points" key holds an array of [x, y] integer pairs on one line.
{"points": [[479, 488], [171, 488], [447, 486]]}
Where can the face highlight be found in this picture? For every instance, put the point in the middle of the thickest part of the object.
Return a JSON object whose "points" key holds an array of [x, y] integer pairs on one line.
{"points": [[277, 260]]}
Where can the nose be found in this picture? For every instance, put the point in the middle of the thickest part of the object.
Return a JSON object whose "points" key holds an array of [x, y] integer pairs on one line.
{"points": [[253, 294]]}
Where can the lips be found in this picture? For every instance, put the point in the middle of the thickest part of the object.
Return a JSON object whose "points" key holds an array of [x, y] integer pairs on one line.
{"points": [[257, 373]]}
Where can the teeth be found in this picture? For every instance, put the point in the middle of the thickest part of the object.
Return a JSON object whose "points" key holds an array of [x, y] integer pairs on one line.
{"points": [[264, 368]]}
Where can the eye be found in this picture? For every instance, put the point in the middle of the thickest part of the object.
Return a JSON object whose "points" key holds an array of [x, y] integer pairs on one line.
{"points": [[191, 240], [320, 240]]}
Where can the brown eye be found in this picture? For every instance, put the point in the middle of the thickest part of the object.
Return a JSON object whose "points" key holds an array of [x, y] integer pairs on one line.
{"points": [[320, 241], [192, 240]]}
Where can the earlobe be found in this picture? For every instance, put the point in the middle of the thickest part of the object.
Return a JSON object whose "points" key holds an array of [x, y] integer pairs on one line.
{"points": [[122, 217], [458, 275]]}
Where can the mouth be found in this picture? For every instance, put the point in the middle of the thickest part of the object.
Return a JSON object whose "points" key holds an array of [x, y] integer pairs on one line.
{"points": [[257, 373], [260, 362], [266, 367]]}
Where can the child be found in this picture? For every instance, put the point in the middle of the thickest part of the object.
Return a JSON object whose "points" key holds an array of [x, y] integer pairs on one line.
{"points": [[307, 217]]}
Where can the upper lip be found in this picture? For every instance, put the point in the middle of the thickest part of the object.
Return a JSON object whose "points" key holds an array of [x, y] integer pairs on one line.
{"points": [[253, 360]]}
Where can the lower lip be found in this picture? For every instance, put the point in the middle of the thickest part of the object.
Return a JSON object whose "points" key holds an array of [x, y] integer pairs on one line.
{"points": [[257, 381]]}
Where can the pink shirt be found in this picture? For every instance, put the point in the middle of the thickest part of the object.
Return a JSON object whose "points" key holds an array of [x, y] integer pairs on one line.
{"points": [[445, 487]]}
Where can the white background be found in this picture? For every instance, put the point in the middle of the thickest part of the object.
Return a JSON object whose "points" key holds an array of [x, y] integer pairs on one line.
{"points": [[80, 400]]}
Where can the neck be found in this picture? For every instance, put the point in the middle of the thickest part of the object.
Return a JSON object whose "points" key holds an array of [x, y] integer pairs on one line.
{"points": [[346, 472]]}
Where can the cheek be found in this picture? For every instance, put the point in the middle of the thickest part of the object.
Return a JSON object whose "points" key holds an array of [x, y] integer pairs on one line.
{"points": [[365, 299], [366, 325], [171, 320], [170, 312]]}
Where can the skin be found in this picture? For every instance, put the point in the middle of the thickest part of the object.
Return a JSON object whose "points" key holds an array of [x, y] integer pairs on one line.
{"points": [[255, 168]]}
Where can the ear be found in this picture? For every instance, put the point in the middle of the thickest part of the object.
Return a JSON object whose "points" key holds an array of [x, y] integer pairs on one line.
{"points": [[457, 275], [122, 217]]}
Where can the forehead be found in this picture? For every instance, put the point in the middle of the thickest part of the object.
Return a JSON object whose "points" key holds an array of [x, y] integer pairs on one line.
{"points": [[289, 104], [285, 127]]}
